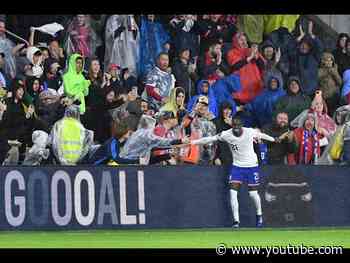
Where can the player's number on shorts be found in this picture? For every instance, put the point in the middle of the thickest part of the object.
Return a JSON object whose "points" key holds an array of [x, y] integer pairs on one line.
{"points": [[256, 177]]}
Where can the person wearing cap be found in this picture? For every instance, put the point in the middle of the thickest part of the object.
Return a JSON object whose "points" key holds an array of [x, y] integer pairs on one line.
{"points": [[202, 108], [200, 122], [115, 80], [164, 129], [204, 89]]}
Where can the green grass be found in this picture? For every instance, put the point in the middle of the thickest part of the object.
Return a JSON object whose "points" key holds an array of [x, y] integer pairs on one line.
{"points": [[186, 238]]}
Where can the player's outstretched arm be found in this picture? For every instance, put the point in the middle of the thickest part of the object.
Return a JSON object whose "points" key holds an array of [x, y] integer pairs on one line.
{"points": [[266, 137], [205, 140]]}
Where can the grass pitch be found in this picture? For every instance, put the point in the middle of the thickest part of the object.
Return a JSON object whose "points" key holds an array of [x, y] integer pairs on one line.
{"points": [[170, 238]]}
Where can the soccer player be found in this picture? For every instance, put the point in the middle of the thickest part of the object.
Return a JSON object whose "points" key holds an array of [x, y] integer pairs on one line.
{"points": [[245, 164]]}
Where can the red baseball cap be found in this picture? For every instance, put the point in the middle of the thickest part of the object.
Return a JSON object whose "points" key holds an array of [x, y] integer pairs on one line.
{"points": [[114, 66]]}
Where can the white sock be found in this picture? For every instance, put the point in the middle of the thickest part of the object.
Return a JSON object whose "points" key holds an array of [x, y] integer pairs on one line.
{"points": [[234, 205], [256, 200]]}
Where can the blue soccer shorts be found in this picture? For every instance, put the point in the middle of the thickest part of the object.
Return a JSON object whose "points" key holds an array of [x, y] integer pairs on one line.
{"points": [[249, 175]]}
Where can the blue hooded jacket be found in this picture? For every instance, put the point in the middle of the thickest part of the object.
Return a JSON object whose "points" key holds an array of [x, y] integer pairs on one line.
{"points": [[346, 86], [213, 108], [223, 89], [153, 37], [263, 106], [306, 65]]}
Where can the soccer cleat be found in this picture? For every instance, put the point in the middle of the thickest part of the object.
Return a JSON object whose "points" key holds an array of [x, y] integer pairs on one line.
{"points": [[235, 224], [259, 221]]}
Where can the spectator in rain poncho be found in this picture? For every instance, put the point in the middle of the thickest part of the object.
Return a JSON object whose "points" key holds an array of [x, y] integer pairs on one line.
{"points": [[305, 56], [75, 85], [342, 119], [248, 63], [273, 63], [274, 22], [294, 102], [176, 103], [345, 92], [224, 88], [38, 152], [204, 89], [253, 26], [325, 125], [330, 81], [308, 141], [263, 106], [69, 138], [49, 107], [143, 140], [153, 40], [7, 47], [35, 57], [81, 37], [122, 42], [159, 83]]}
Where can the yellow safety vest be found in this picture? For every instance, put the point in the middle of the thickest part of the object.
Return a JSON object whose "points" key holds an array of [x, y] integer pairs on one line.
{"points": [[70, 140]]}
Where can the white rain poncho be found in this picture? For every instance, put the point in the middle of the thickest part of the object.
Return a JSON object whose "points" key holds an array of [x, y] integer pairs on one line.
{"points": [[141, 142], [6, 47], [122, 50], [37, 68], [66, 143], [38, 151], [344, 111], [81, 39]]}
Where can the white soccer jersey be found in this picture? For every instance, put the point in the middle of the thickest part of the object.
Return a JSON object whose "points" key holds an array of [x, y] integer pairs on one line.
{"points": [[242, 147]]}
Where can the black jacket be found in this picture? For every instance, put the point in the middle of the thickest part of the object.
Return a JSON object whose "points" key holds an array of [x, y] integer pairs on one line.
{"points": [[276, 152], [184, 79]]}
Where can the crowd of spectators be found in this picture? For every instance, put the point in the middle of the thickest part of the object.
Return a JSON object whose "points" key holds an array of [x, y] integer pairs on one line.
{"points": [[135, 89]]}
